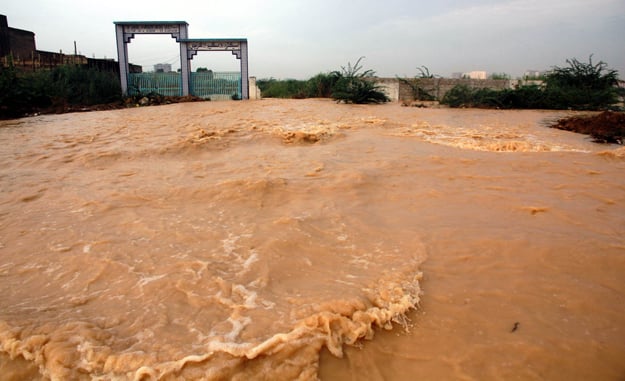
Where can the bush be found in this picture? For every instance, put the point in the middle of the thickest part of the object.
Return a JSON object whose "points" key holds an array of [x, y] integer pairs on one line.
{"points": [[78, 85], [289, 88], [459, 96], [582, 86], [21, 93], [321, 85], [356, 86], [350, 85], [24, 93]]}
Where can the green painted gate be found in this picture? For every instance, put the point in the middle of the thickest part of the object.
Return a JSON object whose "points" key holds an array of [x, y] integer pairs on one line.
{"points": [[209, 85], [216, 85]]}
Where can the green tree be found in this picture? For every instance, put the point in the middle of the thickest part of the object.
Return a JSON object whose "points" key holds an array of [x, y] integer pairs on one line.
{"points": [[499, 76], [582, 86]]}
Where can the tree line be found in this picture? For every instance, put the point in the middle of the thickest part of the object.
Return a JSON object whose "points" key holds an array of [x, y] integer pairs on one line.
{"points": [[22, 93], [578, 86]]}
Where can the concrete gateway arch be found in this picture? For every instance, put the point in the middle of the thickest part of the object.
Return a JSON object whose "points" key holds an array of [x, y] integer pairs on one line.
{"points": [[126, 31]]}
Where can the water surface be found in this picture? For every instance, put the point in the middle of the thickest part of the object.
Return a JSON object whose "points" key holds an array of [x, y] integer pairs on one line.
{"points": [[291, 240]]}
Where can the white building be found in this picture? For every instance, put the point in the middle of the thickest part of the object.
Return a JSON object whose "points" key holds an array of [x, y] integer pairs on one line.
{"points": [[475, 75]]}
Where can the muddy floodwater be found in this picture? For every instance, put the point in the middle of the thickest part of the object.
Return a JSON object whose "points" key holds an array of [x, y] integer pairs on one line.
{"points": [[303, 240]]}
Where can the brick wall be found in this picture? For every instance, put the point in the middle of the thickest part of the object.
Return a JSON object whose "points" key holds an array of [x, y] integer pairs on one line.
{"points": [[438, 87], [398, 90], [5, 47], [22, 43], [16, 42]]}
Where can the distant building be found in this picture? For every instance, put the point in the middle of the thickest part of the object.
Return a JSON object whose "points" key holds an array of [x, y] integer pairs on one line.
{"points": [[17, 47], [162, 68], [469, 75], [533, 74], [475, 75], [15, 42]]}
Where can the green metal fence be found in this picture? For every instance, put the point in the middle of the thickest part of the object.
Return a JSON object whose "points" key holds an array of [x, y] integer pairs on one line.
{"points": [[213, 85], [216, 85], [168, 84]]}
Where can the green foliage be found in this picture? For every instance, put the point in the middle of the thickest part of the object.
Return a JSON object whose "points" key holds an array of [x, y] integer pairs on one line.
{"points": [[24, 93], [21, 94], [289, 88], [424, 72], [350, 85], [499, 76], [319, 86], [526, 97], [581, 86], [78, 85], [459, 96], [522, 98], [356, 86]]}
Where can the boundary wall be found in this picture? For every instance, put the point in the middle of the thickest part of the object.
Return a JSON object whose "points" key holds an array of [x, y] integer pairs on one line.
{"points": [[399, 91]]}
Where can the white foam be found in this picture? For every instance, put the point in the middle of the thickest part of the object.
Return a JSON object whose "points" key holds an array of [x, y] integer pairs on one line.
{"points": [[145, 280], [250, 260], [237, 326]]}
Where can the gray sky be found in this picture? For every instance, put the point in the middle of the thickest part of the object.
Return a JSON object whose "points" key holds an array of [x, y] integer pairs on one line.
{"points": [[300, 38]]}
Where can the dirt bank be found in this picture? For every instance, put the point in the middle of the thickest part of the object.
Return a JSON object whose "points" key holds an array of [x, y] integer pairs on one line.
{"points": [[606, 127]]}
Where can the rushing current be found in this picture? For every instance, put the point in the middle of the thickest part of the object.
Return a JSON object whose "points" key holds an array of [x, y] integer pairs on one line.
{"points": [[304, 239]]}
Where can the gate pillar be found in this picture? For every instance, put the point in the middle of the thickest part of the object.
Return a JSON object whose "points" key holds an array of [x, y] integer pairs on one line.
{"points": [[126, 30], [238, 47]]}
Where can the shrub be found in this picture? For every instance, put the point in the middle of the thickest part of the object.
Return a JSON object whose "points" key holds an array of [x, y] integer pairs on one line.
{"points": [[83, 86], [459, 96], [22, 93], [582, 86], [356, 86], [321, 85], [289, 88]]}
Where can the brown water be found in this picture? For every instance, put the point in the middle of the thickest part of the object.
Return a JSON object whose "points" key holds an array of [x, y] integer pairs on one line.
{"points": [[269, 239]]}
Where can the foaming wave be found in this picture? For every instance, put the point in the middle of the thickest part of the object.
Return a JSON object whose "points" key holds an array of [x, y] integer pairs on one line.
{"points": [[483, 138], [251, 273], [306, 132], [618, 153]]}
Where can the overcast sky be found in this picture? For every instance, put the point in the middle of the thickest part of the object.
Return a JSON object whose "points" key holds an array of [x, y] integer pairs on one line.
{"points": [[300, 38]]}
